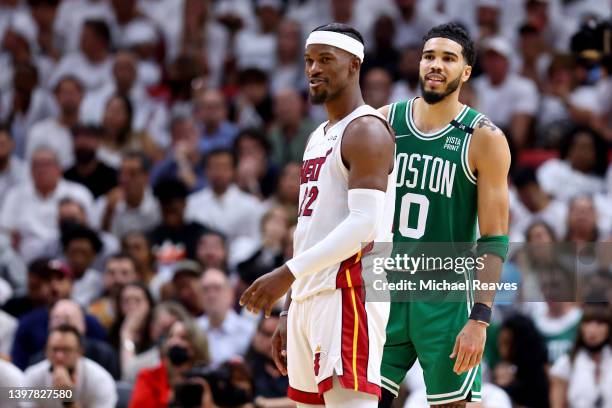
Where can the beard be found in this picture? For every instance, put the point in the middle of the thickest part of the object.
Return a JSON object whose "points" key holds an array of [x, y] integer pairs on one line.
{"points": [[433, 97], [318, 98]]}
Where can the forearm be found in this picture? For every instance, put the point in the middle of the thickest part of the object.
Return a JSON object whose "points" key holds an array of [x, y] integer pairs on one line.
{"points": [[287, 301], [488, 276], [366, 210]]}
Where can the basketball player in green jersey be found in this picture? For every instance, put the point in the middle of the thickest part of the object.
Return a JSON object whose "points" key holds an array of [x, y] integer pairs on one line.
{"points": [[452, 167]]}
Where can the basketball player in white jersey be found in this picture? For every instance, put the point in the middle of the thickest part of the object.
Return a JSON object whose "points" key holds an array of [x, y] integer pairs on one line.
{"points": [[334, 338]]}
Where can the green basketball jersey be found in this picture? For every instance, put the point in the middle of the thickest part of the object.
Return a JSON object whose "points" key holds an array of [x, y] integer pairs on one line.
{"points": [[436, 199]]}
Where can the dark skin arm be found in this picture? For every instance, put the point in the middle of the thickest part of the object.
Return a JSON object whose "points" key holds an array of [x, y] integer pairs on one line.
{"points": [[366, 171], [489, 157]]}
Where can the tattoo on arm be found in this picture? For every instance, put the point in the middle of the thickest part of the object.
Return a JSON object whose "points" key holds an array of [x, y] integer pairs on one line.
{"points": [[485, 122]]}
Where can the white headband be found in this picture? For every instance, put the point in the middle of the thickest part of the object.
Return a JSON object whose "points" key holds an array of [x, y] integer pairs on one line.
{"points": [[337, 40]]}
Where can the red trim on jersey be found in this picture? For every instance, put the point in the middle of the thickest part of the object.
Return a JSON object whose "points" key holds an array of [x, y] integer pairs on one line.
{"points": [[313, 398], [354, 266]]}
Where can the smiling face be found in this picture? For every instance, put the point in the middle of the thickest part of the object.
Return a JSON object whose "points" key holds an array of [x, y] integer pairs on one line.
{"points": [[329, 70], [442, 69]]}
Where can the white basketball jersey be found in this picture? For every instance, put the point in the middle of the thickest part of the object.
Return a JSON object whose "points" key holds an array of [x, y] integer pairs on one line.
{"points": [[324, 205]]}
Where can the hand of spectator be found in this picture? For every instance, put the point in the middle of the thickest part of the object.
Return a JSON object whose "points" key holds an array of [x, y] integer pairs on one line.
{"points": [[503, 374], [114, 196], [246, 176], [134, 321], [61, 378], [469, 346], [279, 345], [266, 290]]}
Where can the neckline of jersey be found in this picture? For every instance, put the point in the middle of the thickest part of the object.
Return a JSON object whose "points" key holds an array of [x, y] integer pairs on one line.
{"points": [[440, 132], [324, 124]]}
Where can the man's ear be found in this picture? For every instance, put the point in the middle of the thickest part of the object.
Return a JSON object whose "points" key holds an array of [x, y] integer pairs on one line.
{"points": [[467, 72], [355, 65]]}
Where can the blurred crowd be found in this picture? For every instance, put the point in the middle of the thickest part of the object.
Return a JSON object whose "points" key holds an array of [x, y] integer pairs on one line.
{"points": [[150, 153]]}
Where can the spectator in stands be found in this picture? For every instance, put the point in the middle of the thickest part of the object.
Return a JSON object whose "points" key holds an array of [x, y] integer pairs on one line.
{"points": [[498, 83], [582, 221], [256, 46], [252, 105], [184, 160], [580, 168], [174, 238], [288, 70], [216, 132], [88, 170], [556, 30], [137, 245], [119, 137], [274, 226], [120, 270], [533, 57], [93, 62], [30, 210], [13, 271], [229, 334], [407, 86], [255, 173], [382, 54], [534, 204], [12, 169], [81, 245], [40, 272], [26, 104], [68, 312], [269, 385], [212, 251], [67, 368], [33, 327], [130, 333], [287, 192], [55, 131], [583, 377], [183, 348], [185, 287], [72, 212], [164, 316], [222, 206], [130, 206], [521, 373], [411, 21], [291, 127], [377, 87], [44, 13]]}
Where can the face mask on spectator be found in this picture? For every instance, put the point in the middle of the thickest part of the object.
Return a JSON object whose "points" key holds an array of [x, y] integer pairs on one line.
{"points": [[178, 355]]}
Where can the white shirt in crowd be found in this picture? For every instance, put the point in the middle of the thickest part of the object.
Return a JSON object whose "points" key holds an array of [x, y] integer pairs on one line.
{"points": [[35, 217], [555, 173], [235, 213], [93, 76], [95, 388], [583, 389], [555, 215], [51, 133], [15, 174], [88, 288], [10, 377], [7, 334], [231, 339], [146, 216], [71, 14], [515, 95]]}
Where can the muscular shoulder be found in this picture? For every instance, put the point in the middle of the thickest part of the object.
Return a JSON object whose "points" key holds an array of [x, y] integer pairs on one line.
{"points": [[489, 145], [367, 134]]}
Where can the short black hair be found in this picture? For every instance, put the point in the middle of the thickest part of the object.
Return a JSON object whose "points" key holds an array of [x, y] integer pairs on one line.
{"points": [[252, 76], [220, 152], [100, 29], [72, 231], [342, 29], [454, 32], [601, 149], [256, 134], [145, 162], [67, 328], [6, 129], [169, 189]]}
